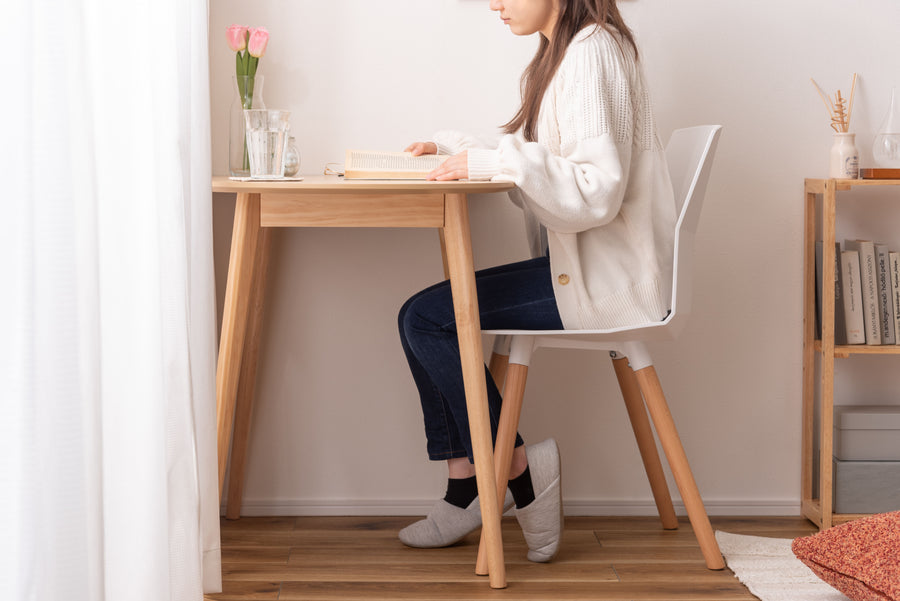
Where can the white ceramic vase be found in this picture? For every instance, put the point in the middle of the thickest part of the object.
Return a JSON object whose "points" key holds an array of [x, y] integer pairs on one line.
{"points": [[844, 157]]}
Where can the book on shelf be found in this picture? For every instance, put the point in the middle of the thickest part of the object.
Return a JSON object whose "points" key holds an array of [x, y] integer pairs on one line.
{"points": [[868, 273], [894, 268], [840, 326], [884, 294], [852, 299], [372, 164]]}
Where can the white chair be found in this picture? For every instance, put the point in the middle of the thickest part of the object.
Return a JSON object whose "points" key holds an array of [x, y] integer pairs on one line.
{"points": [[689, 155]]}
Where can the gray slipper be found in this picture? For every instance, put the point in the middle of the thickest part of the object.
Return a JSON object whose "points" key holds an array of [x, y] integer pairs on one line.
{"points": [[542, 519], [446, 524]]}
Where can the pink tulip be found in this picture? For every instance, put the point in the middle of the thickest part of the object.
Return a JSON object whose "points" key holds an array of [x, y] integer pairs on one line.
{"points": [[237, 37], [259, 38]]}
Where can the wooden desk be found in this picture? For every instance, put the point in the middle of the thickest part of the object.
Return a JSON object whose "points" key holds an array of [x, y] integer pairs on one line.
{"points": [[329, 201]]}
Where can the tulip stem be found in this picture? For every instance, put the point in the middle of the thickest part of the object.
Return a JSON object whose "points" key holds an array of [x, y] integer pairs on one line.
{"points": [[245, 87]]}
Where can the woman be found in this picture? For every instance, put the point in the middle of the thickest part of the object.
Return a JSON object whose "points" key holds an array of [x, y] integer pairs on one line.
{"points": [[584, 154]]}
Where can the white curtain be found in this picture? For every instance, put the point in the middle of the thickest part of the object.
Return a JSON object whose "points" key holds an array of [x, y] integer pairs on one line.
{"points": [[107, 308]]}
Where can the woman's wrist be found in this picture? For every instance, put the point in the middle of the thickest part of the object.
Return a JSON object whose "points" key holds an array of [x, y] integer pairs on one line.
{"points": [[442, 149], [483, 163]]}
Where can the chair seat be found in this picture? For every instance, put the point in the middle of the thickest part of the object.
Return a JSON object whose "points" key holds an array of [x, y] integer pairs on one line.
{"points": [[626, 341], [666, 329]]}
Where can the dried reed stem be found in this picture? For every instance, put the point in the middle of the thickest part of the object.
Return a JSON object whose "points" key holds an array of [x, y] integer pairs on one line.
{"points": [[825, 99], [839, 118], [838, 109]]}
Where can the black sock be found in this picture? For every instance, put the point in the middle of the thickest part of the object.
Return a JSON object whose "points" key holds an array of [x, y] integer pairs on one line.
{"points": [[522, 489], [461, 491]]}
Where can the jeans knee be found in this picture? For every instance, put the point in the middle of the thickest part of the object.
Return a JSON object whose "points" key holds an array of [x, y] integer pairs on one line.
{"points": [[412, 322], [401, 316], [429, 312], [411, 318]]}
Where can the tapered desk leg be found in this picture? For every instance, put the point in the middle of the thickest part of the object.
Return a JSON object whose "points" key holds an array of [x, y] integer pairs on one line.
{"points": [[458, 243], [244, 241], [247, 381]]}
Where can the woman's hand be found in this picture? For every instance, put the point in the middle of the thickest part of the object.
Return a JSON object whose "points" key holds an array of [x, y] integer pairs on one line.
{"points": [[456, 167], [419, 148]]}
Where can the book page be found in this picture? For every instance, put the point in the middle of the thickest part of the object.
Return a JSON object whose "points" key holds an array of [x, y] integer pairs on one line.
{"points": [[390, 165]]}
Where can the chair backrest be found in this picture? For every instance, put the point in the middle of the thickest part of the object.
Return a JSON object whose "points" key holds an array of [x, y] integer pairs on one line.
{"points": [[689, 154]]}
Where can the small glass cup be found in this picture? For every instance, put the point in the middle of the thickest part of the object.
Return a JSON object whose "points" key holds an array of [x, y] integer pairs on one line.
{"points": [[267, 138]]}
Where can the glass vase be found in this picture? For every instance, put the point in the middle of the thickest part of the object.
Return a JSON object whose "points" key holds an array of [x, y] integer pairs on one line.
{"points": [[886, 148], [248, 94]]}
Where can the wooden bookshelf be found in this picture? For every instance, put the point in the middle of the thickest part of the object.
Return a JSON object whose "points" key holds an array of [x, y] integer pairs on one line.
{"points": [[818, 505], [842, 351]]}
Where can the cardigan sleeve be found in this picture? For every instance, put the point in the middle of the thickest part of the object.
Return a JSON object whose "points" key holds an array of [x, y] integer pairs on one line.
{"points": [[453, 142], [568, 194], [582, 187]]}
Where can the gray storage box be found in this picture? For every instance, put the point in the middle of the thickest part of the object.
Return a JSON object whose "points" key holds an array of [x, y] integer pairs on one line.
{"points": [[866, 486], [867, 433]]}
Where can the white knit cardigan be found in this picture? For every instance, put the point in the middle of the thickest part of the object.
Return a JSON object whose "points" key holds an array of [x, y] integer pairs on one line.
{"points": [[597, 180]]}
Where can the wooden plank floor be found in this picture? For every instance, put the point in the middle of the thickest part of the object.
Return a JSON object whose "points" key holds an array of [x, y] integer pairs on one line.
{"points": [[360, 558]]}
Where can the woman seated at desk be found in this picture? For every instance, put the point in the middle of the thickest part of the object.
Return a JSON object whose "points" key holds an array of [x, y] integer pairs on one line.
{"points": [[584, 154]]}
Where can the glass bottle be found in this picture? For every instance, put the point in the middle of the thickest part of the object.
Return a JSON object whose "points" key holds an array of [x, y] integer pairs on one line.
{"points": [[886, 148], [247, 95], [291, 159]]}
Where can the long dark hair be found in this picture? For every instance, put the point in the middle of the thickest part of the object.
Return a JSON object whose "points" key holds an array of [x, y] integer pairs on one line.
{"points": [[574, 15]]}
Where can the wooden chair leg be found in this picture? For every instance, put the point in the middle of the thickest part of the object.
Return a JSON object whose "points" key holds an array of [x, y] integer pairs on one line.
{"points": [[506, 441], [671, 443], [247, 379], [640, 423], [497, 366]]}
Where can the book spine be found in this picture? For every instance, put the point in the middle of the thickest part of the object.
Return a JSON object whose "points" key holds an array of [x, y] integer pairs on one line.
{"points": [[840, 322], [853, 314], [868, 274], [884, 295], [894, 268]]}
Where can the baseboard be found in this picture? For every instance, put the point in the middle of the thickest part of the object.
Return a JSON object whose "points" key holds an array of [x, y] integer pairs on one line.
{"points": [[713, 507], [574, 507], [253, 508]]}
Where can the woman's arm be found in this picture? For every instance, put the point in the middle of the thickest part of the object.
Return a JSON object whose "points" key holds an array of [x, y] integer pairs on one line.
{"points": [[583, 186], [453, 142], [571, 193]]}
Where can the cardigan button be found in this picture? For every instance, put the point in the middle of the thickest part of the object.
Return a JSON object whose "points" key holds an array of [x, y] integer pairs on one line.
{"points": [[563, 279]]}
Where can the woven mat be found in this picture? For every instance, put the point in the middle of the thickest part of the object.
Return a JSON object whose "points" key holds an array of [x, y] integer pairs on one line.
{"points": [[770, 570]]}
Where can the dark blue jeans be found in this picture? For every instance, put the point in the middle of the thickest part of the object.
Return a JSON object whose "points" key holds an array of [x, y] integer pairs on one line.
{"points": [[515, 296]]}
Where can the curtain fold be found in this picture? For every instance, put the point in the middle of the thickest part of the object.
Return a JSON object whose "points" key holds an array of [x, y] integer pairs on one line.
{"points": [[107, 325]]}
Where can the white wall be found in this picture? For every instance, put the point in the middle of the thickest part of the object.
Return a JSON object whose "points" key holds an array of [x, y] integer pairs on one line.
{"points": [[337, 428]]}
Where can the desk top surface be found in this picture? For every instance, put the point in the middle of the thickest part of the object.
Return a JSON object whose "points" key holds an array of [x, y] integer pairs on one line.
{"points": [[333, 183]]}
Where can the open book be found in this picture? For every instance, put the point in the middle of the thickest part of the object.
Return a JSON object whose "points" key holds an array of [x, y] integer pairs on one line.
{"points": [[364, 164]]}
